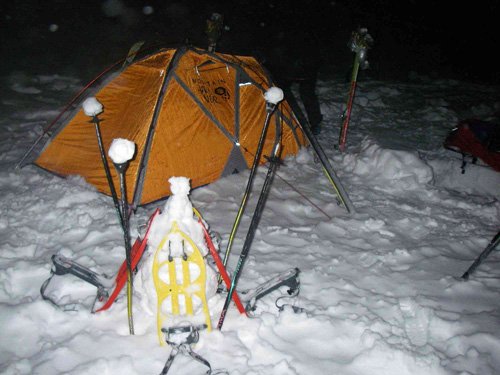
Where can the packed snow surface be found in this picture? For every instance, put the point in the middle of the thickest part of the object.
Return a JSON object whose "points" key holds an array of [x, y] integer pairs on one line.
{"points": [[380, 289]]}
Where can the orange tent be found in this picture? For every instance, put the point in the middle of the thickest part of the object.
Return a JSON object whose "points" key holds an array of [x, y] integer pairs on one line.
{"points": [[190, 113]]}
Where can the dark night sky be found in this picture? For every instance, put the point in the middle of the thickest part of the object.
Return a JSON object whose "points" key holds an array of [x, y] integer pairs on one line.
{"points": [[456, 41]]}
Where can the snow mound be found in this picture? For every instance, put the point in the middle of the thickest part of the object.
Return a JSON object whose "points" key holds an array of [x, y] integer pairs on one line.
{"points": [[401, 169], [177, 213], [477, 179]]}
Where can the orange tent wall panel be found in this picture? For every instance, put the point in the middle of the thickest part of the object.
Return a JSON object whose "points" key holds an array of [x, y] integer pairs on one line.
{"points": [[128, 102], [185, 143], [186, 110]]}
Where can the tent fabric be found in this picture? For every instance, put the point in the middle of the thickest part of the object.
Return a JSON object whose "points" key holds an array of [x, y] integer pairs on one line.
{"points": [[190, 113]]}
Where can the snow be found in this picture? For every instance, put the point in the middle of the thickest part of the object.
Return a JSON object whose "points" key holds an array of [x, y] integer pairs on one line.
{"points": [[274, 95], [92, 106], [121, 150], [380, 289], [165, 240]]}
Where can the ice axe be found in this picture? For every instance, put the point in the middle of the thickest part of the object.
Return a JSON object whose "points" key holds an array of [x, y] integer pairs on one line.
{"points": [[359, 43]]}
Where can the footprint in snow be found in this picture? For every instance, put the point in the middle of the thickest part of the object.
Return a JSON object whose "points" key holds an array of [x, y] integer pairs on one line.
{"points": [[416, 321]]}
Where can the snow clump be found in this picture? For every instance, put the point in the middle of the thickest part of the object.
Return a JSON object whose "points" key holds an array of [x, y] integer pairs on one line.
{"points": [[121, 150], [92, 107]]}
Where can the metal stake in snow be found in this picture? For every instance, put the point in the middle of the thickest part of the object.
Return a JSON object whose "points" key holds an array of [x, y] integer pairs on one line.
{"points": [[121, 152], [92, 108], [359, 43], [273, 96]]}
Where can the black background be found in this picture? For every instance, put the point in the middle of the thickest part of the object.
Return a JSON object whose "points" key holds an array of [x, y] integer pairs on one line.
{"points": [[439, 39]]}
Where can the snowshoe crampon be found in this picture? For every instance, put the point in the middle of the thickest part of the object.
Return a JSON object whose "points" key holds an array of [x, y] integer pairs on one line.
{"points": [[181, 338], [288, 278], [108, 288]]}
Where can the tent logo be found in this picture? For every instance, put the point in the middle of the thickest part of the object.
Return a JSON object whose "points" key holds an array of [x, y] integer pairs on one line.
{"points": [[222, 91]]}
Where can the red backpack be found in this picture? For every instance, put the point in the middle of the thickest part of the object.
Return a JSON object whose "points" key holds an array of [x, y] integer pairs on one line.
{"points": [[476, 139]]}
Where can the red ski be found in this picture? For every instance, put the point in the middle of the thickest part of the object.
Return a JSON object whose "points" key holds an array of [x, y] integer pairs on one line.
{"points": [[136, 254], [220, 266]]}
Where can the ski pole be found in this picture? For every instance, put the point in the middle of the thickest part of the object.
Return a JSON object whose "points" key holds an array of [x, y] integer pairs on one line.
{"points": [[334, 180], [359, 43], [346, 116], [273, 96], [93, 108], [491, 246], [121, 152], [248, 189]]}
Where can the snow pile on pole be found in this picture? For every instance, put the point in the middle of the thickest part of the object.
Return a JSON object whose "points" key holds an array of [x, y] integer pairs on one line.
{"points": [[274, 95], [121, 150], [92, 107]]}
